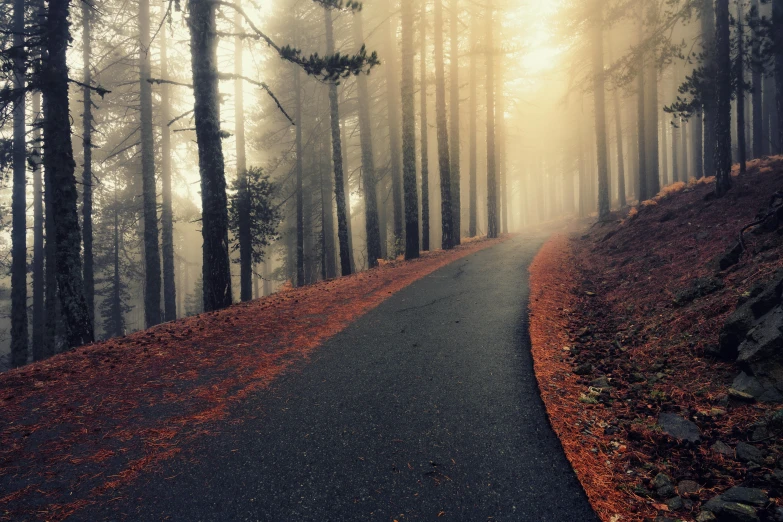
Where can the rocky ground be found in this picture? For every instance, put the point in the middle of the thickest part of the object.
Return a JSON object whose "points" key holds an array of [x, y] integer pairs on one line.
{"points": [[659, 346]]}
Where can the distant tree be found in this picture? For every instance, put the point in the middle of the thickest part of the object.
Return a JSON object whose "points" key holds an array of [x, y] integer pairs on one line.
{"points": [[454, 147], [599, 96], [777, 38], [167, 212], [252, 212], [443, 132], [723, 95], [409, 134], [739, 71], [87, 172], [425, 160], [493, 225], [395, 130], [473, 131]]}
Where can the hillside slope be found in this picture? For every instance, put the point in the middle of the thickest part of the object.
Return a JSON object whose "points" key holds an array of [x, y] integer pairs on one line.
{"points": [[626, 321]]}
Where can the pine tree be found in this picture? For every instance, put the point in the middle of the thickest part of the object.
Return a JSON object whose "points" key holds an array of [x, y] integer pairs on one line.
{"points": [[409, 135], [739, 67], [454, 146], [167, 212], [599, 97], [723, 83], [425, 161], [473, 131], [493, 228], [87, 174]]}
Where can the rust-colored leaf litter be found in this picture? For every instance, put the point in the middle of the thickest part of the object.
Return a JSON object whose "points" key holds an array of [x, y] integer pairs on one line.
{"points": [[75, 427], [604, 304]]}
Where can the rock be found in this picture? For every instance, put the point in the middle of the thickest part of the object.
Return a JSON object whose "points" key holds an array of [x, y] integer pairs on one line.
{"points": [[600, 382], [688, 487], [733, 512], [722, 448], [731, 257], [679, 428], [776, 420], [637, 377], [714, 505], [584, 369], [663, 485], [675, 504], [700, 287], [705, 516], [748, 453], [745, 388], [752, 496], [760, 433]]}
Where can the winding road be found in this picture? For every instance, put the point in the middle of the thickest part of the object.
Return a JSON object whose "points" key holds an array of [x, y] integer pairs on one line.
{"points": [[426, 408]]}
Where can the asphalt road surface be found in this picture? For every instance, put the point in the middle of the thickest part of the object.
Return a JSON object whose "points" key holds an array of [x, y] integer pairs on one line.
{"points": [[426, 408]]}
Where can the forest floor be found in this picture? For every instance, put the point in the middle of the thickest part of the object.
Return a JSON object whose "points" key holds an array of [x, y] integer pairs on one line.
{"points": [[80, 425], [616, 343]]}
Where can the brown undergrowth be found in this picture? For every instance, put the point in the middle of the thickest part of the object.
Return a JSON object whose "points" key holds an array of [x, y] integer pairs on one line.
{"points": [[609, 303], [77, 426]]}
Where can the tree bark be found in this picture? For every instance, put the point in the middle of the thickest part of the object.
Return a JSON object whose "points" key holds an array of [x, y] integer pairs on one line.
{"points": [[19, 331], [425, 161], [454, 146], [599, 98], [39, 312], [708, 44], [676, 131], [395, 131], [473, 132], [409, 134], [757, 81], [777, 32], [60, 168], [493, 228], [300, 239], [245, 235], [653, 162], [722, 121], [152, 282], [740, 79], [214, 202], [167, 213], [643, 190], [443, 133], [500, 147], [337, 160], [372, 227]]}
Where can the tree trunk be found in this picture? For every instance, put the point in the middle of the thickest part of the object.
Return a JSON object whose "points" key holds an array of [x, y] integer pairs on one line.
{"points": [[245, 234], [425, 161], [708, 43], [722, 121], [327, 188], [300, 239], [395, 132], [454, 144], [347, 192], [372, 227], [777, 32], [757, 80], [409, 134], [60, 167], [39, 312], [599, 97], [643, 190], [493, 229], [116, 320], [337, 160], [214, 202], [740, 72], [19, 332], [443, 132], [676, 131], [653, 163], [473, 111], [500, 148], [87, 190], [167, 213], [152, 315], [684, 151]]}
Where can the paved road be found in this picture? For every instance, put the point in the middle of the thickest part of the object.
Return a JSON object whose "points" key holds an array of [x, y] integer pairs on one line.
{"points": [[426, 406]]}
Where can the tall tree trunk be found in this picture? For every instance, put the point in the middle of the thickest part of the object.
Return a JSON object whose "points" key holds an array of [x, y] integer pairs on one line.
{"points": [[770, 109], [493, 228], [684, 151], [454, 144], [618, 121], [327, 188], [19, 332], [347, 192], [443, 132], [722, 121], [39, 312], [425, 160], [709, 107], [60, 167], [599, 97], [409, 134], [653, 162], [87, 119], [116, 323], [372, 227], [395, 132], [245, 234], [473, 132], [757, 81], [300, 239], [152, 283], [500, 148], [641, 121], [337, 159], [740, 79], [777, 32], [676, 132], [167, 212], [214, 202]]}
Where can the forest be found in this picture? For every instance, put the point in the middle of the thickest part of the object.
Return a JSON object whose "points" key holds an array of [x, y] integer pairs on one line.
{"points": [[164, 159]]}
